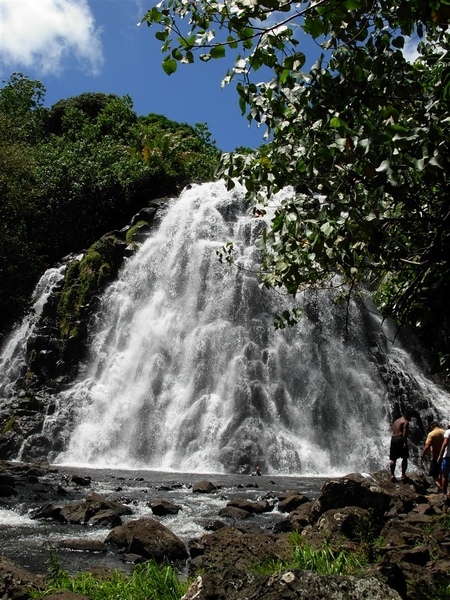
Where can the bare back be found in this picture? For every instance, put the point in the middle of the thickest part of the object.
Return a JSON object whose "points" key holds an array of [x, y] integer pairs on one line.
{"points": [[400, 427]]}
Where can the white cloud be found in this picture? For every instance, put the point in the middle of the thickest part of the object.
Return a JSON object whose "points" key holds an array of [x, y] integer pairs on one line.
{"points": [[410, 49], [42, 34]]}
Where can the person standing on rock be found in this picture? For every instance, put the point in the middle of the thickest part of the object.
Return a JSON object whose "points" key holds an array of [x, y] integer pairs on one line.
{"points": [[399, 444], [444, 460], [433, 445]]}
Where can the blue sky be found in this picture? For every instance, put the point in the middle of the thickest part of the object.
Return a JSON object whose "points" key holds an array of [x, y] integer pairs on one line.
{"points": [[76, 46]]}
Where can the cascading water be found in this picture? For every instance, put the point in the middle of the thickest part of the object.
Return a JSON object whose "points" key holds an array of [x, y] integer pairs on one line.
{"points": [[187, 373], [13, 351]]}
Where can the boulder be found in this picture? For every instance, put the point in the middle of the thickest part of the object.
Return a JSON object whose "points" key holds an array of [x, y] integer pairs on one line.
{"points": [[94, 510], [261, 506], [298, 518], [80, 480], [161, 508], [352, 522], [203, 487], [149, 539], [291, 502], [233, 512], [231, 547], [16, 582], [233, 584], [351, 490]]}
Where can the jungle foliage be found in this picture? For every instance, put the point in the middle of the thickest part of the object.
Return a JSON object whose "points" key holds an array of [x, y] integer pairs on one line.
{"points": [[362, 135], [72, 172]]}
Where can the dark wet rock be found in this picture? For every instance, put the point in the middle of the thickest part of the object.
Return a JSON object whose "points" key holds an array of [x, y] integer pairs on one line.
{"points": [[258, 507], [94, 511], [162, 508], [203, 487], [149, 539], [352, 522], [16, 582], [7, 490], [88, 510], [351, 490], [298, 518], [234, 584], [232, 512], [231, 547], [211, 525], [80, 480], [291, 502], [8, 480], [107, 517], [48, 511]]}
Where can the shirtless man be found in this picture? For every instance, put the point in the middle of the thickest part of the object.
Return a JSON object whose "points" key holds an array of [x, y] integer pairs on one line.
{"points": [[399, 444]]}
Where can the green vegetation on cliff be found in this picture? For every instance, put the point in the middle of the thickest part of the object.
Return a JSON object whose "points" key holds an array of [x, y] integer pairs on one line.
{"points": [[72, 172]]}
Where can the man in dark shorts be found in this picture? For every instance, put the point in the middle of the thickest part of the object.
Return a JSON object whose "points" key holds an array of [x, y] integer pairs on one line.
{"points": [[399, 444], [433, 445]]}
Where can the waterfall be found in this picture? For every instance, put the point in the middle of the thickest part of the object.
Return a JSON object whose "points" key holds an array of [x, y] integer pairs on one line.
{"points": [[186, 371], [13, 351]]}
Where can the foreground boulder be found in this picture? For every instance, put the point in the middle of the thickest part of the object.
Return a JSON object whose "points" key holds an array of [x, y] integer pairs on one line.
{"points": [[234, 584], [231, 547], [16, 582], [149, 539], [398, 531]]}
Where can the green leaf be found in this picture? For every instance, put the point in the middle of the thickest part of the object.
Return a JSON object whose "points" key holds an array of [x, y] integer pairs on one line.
{"points": [[169, 65], [352, 4], [398, 42], [218, 51], [313, 27], [327, 229], [278, 222], [336, 122]]}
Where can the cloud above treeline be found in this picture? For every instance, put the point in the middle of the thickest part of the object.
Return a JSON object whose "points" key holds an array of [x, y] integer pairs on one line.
{"points": [[43, 34]]}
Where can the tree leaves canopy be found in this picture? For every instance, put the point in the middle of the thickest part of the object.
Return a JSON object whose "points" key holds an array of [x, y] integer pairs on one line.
{"points": [[362, 135]]}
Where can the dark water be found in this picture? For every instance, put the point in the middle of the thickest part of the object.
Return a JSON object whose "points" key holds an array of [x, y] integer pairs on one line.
{"points": [[27, 541]]}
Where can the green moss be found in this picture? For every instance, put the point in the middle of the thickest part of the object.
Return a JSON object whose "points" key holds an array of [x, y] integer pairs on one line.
{"points": [[9, 424], [84, 278], [131, 232]]}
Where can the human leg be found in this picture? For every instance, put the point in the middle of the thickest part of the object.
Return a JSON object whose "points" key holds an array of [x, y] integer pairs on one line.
{"points": [[435, 473], [404, 467], [392, 464], [445, 470]]}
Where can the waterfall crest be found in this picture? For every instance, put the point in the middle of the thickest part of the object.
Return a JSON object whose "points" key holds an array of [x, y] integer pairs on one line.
{"points": [[187, 373]]}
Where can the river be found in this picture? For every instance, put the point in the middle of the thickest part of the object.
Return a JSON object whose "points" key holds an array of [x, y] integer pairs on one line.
{"points": [[28, 541]]}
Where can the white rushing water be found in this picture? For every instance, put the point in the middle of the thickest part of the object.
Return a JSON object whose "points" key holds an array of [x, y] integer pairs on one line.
{"points": [[13, 351], [187, 373]]}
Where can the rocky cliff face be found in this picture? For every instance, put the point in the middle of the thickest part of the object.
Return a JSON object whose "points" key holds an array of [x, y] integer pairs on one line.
{"points": [[57, 345]]}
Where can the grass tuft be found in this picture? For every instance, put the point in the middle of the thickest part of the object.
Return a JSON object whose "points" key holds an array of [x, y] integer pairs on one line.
{"points": [[148, 581]]}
